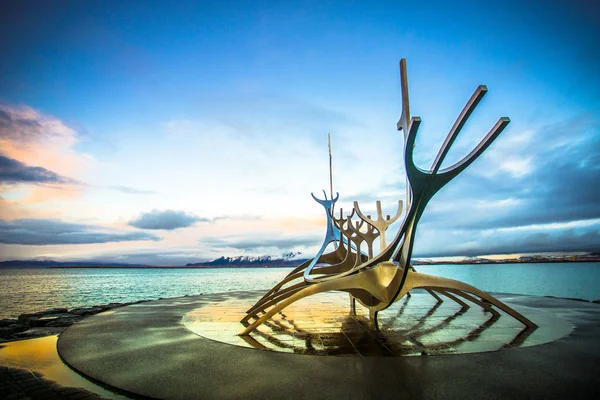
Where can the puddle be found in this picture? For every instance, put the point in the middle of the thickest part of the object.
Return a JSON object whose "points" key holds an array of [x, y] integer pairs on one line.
{"points": [[40, 355]]}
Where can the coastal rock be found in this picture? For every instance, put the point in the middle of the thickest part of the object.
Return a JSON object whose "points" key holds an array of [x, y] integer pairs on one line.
{"points": [[18, 327], [60, 310], [87, 311], [5, 332], [26, 318], [37, 332], [55, 320], [79, 311], [63, 321], [51, 321], [37, 322], [101, 307], [8, 331], [6, 322]]}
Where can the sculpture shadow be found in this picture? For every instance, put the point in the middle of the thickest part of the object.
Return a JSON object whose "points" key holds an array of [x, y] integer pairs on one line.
{"points": [[431, 329]]}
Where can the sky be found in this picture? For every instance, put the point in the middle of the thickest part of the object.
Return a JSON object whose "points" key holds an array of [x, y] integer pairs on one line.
{"points": [[174, 132]]}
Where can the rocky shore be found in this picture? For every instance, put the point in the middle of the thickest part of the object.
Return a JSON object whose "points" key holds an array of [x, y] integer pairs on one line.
{"points": [[49, 322]]}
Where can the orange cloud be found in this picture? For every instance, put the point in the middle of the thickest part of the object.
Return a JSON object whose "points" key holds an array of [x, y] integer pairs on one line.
{"points": [[10, 209], [38, 140]]}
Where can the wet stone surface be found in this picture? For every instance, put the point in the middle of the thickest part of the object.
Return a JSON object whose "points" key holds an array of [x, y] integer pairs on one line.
{"points": [[32, 369], [19, 384], [417, 325]]}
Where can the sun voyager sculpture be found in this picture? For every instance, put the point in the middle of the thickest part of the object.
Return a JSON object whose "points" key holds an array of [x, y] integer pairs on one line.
{"points": [[377, 281]]}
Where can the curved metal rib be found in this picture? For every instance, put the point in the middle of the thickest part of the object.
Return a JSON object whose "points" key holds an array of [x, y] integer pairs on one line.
{"points": [[349, 264], [417, 279], [276, 294]]}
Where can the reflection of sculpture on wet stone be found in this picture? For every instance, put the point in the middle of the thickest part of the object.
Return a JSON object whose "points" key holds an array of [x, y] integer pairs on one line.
{"points": [[378, 281]]}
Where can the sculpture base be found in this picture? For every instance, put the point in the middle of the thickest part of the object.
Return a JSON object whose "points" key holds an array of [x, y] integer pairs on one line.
{"points": [[417, 325], [144, 350]]}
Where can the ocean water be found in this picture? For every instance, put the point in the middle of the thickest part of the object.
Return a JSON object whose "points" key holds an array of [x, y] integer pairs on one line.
{"points": [[30, 290]]}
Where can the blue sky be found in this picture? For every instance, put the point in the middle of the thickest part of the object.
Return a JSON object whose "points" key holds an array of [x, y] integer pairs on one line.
{"points": [[169, 133]]}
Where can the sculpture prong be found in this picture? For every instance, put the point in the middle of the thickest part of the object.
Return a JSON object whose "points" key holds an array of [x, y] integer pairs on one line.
{"points": [[479, 149], [380, 224], [457, 127]]}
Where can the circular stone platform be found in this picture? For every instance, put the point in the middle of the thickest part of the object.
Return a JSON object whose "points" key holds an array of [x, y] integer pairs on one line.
{"points": [[416, 325], [145, 349]]}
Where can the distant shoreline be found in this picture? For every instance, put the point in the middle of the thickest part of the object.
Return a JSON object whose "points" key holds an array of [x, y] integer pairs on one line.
{"points": [[167, 267], [266, 263], [489, 262], [503, 262]]}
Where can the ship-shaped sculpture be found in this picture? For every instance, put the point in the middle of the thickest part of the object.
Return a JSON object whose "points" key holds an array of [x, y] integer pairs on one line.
{"points": [[377, 281]]}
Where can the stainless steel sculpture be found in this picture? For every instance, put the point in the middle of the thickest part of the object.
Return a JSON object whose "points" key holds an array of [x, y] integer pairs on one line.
{"points": [[378, 281]]}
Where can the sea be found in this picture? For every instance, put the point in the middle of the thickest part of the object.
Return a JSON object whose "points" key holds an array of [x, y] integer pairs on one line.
{"points": [[24, 290]]}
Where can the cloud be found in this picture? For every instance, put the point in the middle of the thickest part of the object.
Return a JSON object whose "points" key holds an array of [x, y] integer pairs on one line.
{"points": [[559, 186], [170, 257], [533, 191], [14, 171], [168, 220], [35, 139], [260, 242], [181, 127], [19, 124], [130, 190], [583, 236], [40, 232], [237, 218], [39, 152]]}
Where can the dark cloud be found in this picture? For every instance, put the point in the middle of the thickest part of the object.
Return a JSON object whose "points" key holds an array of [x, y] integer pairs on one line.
{"points": [[260, 243], [50, 232], [14, 171], [447, 243], [168, 220], [561, 186], [18, 126]]}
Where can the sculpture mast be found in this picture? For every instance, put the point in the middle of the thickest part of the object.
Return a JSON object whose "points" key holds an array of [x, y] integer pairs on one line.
{"points": [[330, 169], [330, 178]]}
